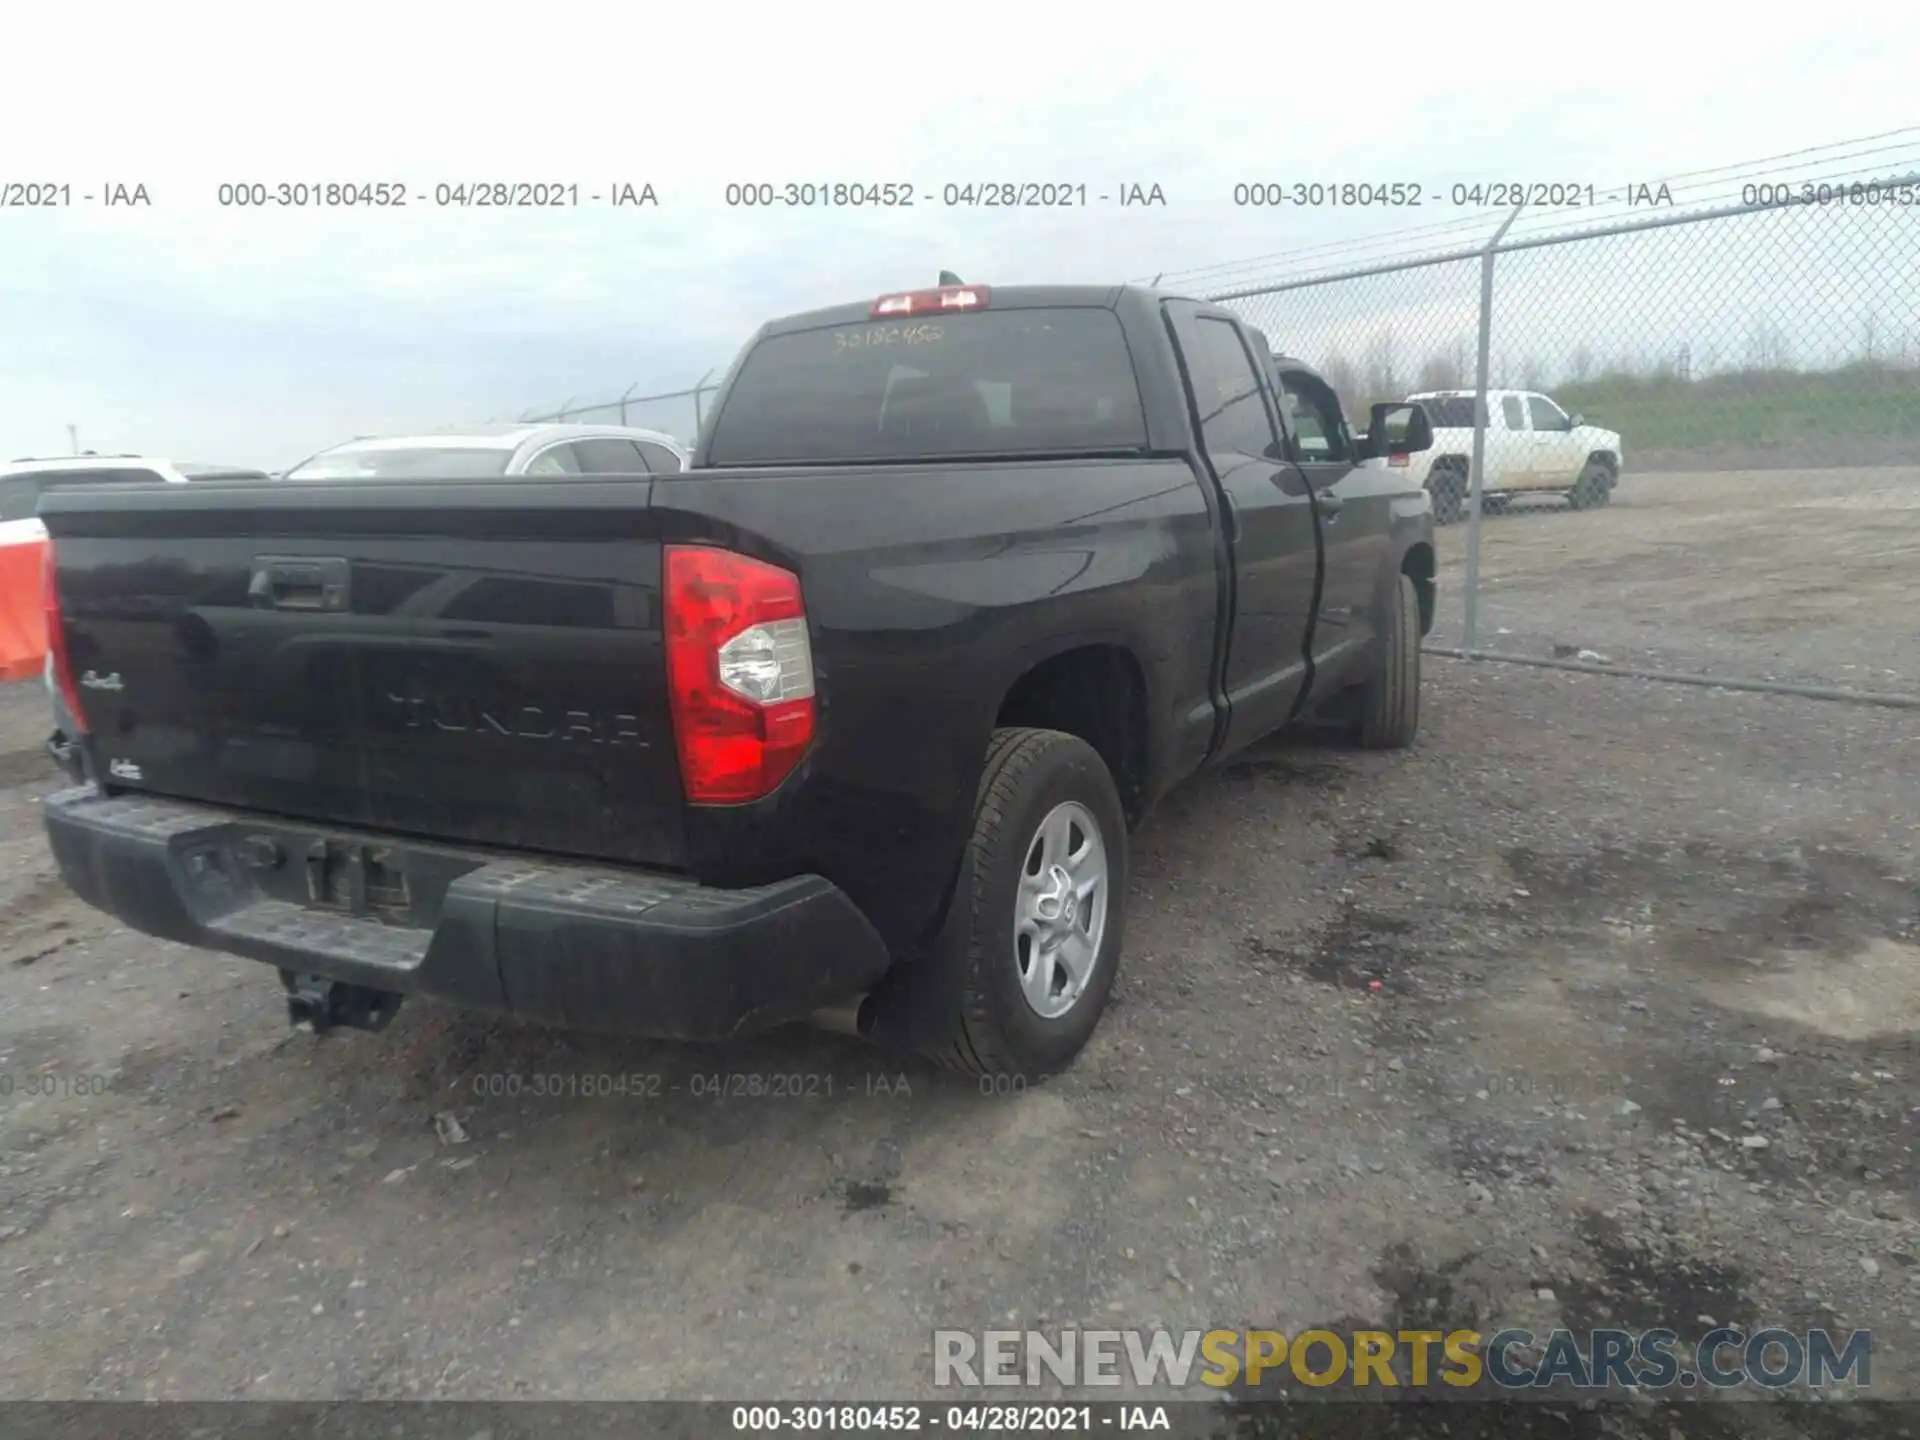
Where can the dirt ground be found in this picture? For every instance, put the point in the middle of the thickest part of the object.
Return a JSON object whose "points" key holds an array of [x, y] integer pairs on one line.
{"points": [[1797, 575], [1487, 1033]]}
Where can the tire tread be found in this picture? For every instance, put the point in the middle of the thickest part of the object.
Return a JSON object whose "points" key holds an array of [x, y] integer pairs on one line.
{"points": [[1390, 717], [973, 1045]]}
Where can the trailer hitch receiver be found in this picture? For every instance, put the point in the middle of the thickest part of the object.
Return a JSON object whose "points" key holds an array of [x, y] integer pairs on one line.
{"points": [[333, 1004]]}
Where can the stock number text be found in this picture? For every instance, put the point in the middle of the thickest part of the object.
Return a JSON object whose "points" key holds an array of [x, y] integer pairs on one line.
{"points": [[1860, 192], [822, 194], [827, 1417], [566, 1085], [304, 194], [1315, 195], [52, 1084]]}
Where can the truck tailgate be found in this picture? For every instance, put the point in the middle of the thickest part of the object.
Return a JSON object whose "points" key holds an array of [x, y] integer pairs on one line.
{"points": [[472, 661]]}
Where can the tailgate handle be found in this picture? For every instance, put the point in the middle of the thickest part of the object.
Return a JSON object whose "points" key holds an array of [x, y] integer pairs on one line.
{"points": [[298, 582]]}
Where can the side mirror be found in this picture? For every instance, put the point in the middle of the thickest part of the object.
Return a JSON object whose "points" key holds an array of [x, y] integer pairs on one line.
{"points": [[1574, 422], [1399, 429]]}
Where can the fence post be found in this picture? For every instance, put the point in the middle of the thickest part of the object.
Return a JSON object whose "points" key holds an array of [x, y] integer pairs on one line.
{"points": [[1470, 625]]}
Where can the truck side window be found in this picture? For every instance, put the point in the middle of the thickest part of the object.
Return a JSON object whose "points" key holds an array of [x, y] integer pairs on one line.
{"points": [[1227, 391], [1510, 410], [1316, 419], [554, 460], [609, 457], [660, 460], [1546, 414], [19, 498]]}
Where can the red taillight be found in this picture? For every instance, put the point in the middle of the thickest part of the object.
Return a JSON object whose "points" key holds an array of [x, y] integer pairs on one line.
{"points": [[57, 641], [947, 299], [739, 673]]}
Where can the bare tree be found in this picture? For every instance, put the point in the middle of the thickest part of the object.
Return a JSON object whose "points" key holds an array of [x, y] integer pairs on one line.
{"points": [[1382, 371], [1870, 338], [1339, 372], [1441, 372], [1581, 367], [1533, 375], [1767, 347]]}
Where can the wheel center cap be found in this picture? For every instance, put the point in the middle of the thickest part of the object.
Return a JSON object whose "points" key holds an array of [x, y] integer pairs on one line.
{"points": [[1059, 906]]}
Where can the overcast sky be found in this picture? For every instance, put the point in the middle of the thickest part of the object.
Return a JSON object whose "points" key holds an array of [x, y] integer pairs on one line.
{"points": [[213, 334]]}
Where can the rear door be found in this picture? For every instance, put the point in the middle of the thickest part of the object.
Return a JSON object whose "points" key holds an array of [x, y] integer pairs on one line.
{"points": [[1270, 524], [1513, 459], [1356, 521]]}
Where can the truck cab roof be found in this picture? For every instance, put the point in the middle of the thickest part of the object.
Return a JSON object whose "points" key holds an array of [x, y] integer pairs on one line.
{"points": [[998, 297], [1468, 394]]}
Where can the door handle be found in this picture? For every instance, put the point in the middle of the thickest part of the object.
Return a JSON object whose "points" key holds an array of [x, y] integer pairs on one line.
{"points": [[1328, 505]]}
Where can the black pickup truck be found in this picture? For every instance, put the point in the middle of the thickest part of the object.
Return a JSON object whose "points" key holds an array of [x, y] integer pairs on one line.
{"points": [[850, 719]]}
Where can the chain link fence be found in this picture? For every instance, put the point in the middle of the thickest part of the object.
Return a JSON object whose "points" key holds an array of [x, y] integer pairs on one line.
{"points": [[1698, 450], [1697, 453], [675, 412]]}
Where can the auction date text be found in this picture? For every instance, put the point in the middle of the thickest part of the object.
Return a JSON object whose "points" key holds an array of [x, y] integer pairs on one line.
{"points": [[63, 195]]}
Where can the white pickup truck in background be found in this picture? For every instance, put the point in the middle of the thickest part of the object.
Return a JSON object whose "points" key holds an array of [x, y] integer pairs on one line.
{"points": [[1533, 448]]}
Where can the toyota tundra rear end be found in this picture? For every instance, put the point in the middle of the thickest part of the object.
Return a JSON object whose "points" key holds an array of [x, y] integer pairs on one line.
{"points": [[443, 738]]}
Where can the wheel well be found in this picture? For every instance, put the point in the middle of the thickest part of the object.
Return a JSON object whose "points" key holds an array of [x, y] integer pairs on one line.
{"points": [[1098, 693], [1417, 564], [1606, 458], [1448, 462]]}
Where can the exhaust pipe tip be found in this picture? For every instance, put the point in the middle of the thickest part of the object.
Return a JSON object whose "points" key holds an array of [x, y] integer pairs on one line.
{"points": [[852, 1016]]}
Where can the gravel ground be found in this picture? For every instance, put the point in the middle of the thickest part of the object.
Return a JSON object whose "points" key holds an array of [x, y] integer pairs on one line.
{"points": [[1795, 575], [1597, 1006]]}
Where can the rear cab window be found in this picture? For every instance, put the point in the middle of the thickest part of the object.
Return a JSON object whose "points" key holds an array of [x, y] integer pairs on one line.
{"points": [[1449, 412], [1017, 381]]}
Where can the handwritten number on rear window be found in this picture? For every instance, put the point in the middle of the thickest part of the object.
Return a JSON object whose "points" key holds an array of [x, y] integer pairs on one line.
{"points": [[887, 335]]}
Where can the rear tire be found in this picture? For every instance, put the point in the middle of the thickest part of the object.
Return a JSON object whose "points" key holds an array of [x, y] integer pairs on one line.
{"points": [[1390, 700], [1036, 971], [1495, 504], [1448, 487]]}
